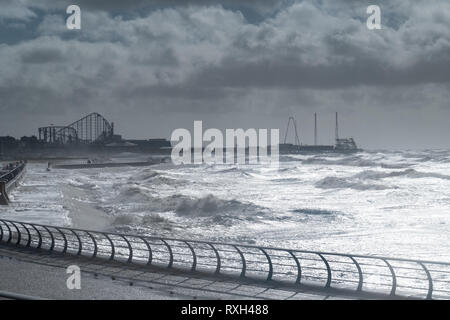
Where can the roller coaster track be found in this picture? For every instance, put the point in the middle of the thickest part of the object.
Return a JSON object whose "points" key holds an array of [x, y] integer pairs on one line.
{"points": [[93, 128]]}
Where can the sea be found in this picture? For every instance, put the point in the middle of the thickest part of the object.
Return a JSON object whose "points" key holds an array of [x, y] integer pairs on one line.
{"points": [[390, 203]]}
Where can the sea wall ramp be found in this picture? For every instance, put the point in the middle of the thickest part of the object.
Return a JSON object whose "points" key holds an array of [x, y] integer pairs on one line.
{"points": [[10, 177], [347, 274]]}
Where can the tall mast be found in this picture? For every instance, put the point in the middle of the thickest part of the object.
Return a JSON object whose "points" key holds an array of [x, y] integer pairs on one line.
{"points": [[315, 128], [336, 133], [297, 140]]}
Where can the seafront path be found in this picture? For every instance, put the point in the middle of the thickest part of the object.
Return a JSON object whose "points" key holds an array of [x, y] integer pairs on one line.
{"points": [[34, 259], [38, 275]]}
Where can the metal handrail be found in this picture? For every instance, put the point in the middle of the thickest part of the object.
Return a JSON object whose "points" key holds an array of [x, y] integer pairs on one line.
{"points": [[361, 273], [17, 296], [10, 175], [9, 180]]}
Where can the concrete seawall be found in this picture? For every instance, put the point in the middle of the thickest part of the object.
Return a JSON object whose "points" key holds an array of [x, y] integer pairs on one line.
{"points": [[105, 165], [9, 180]]}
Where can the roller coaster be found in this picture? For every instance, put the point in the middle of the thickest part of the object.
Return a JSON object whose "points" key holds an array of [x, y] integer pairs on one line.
{"points": [[91, 129]]}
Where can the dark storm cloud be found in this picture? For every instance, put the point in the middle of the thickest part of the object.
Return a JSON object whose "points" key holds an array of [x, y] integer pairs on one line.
{"points": [[42, 55], [108, 5], [193, 92], [229, 58], [20, 99], [292, 75]]}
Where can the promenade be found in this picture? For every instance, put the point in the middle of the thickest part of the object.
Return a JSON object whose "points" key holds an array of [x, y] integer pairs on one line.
{"points": [[34, 260], [36, 274]]}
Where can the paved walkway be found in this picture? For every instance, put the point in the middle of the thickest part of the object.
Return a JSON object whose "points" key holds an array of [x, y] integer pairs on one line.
{"points": [[39, 274]]}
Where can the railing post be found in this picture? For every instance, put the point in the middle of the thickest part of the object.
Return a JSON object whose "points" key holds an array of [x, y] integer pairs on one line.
{"points": [[217, 258], [328, 284], [269, 275], [112, 246], [244, 265], [64, 238], [170, 253], [360, 282], [80, 244], [394, 278], [9, 233], [19, 234], [130, 249], [150, 256], [1, 230], [39, 235], [94, 254], [194, 256], [28, 234], [299, 269], [52, 238], [430, 282]]}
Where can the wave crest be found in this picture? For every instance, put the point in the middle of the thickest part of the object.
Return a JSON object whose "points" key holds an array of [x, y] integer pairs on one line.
{"points": [[343, 183], [210, 206], [410, 173]]}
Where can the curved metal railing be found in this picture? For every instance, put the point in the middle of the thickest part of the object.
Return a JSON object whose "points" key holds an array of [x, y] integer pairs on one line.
{"points": [[359, 273], [10, 174], [9, 179]]}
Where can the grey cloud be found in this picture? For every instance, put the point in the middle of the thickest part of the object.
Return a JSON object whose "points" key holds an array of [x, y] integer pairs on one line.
{"points": [[285, 75], [15, 10], [42, 55], [298, 47], [213, 61]]}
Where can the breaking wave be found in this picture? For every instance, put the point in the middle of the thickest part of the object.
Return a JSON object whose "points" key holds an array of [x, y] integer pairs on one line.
{"points": [[211, 205], [141, 199], [347, 161], [360, 180], [148, 175], [410, 173], [343, 183], [134, 223], [125, 219], [153, 178], [309, 211], [78, 183], [395, 165], [227, 170], [133, 193]]}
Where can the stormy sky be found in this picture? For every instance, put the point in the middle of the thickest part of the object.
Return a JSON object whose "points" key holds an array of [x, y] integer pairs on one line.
{"points": [[154, 66]]}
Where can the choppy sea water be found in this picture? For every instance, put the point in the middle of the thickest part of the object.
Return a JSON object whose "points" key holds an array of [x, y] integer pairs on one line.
{"points": [[382, 202]]}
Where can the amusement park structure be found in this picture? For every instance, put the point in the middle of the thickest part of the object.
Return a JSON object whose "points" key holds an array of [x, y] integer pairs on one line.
{"points": [[91, 129], [342, 145], [94, 134]]}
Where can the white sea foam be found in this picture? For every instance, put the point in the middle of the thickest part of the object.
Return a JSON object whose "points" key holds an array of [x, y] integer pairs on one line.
{"points": [[385, 202]]}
